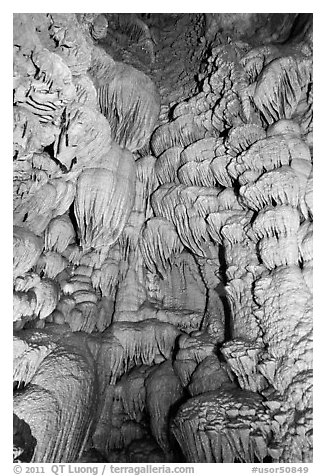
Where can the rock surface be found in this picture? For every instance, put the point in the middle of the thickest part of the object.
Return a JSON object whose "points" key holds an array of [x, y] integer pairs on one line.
{"points": [[163, 225]]}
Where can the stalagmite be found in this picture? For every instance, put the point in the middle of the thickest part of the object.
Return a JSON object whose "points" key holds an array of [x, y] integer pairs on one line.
{"points": [[219, 427]]}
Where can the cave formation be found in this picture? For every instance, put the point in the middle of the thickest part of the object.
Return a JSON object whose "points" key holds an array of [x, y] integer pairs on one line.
{"points": [[162, 169]]}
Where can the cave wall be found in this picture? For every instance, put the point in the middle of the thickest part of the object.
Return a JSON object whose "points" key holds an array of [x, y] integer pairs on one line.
{"points": [[162, 171]]}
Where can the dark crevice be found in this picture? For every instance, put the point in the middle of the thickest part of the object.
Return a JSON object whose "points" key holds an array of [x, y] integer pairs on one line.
{"points": [[220, 289], [72, 216]]}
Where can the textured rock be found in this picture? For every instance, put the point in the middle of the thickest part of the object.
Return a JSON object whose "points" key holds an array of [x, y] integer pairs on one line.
{"points": [[163, 237], [219, 427], [101, 205]]}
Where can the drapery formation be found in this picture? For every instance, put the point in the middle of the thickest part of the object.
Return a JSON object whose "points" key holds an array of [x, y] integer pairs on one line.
{"points": [[162, 237]]}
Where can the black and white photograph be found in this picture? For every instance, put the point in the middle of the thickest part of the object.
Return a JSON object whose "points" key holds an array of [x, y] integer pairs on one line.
{"points": [[162, 241]]}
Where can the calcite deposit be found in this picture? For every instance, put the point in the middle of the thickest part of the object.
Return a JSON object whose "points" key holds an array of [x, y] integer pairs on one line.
{"points": [[163, 232]]}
